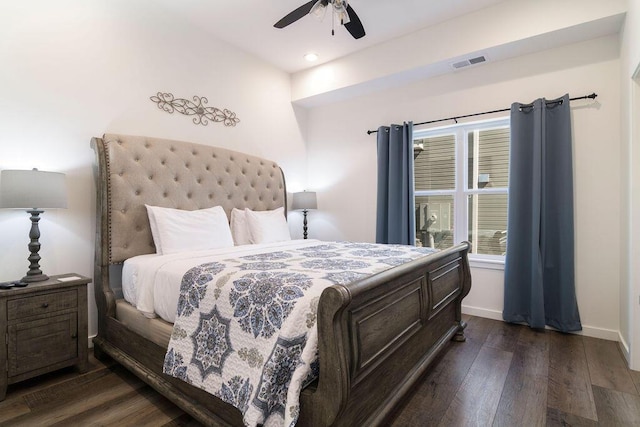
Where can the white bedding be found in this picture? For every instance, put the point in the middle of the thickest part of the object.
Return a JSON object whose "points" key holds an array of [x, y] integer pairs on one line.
{"points": [[130, 277], [151, 282]]}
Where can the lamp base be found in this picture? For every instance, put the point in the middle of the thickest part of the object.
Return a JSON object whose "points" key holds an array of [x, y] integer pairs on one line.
{"points": [[34, 278], [34, 274], [304, 224]]}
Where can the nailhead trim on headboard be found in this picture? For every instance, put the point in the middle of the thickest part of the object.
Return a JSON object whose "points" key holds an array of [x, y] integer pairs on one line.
{"points": [[180, 175]]}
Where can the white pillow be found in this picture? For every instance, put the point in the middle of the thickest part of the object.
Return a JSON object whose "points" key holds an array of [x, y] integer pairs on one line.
{"points": [[179, 230], [239, 227], [267, 226], [154, 228]]}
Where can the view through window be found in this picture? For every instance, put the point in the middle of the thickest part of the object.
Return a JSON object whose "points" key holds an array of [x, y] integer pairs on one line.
{"points": [[461, 185]]}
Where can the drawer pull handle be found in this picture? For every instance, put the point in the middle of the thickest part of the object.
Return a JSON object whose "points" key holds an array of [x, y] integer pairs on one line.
{"points": [[45, 304], [74, 335]]}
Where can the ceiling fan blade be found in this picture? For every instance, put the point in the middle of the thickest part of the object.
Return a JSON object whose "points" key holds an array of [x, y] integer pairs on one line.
{"points": [[354, 26], [295, 15]]}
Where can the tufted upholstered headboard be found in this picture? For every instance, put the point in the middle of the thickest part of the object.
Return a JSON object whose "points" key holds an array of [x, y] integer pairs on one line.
{"points": [[133, 171]]}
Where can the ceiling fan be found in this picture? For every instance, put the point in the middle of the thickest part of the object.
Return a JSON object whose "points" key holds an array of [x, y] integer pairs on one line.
{"points": [[341, 10]]}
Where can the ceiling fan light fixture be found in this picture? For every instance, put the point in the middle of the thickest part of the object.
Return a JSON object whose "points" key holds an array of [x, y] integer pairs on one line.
{"points": [[343, 17], [340, 11], [319, 10]]}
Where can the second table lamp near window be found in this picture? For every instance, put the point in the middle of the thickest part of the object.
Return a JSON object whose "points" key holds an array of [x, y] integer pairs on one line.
{"points": [[304, 201]]}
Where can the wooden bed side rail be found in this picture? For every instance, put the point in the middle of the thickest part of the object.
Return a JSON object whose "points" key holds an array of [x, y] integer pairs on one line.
{"points": [[403, 317]]}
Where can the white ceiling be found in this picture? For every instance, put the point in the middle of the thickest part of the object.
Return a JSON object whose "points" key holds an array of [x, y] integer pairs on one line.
{"points": [[248, 25]]}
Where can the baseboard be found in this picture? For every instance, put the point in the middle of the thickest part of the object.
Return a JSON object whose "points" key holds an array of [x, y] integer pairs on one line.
{"points": [[482, 312], [587, 331], [624, 348], [605, 334]]}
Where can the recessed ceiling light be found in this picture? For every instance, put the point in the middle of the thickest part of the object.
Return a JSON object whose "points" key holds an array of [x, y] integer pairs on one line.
{"points": [[311, 57]]}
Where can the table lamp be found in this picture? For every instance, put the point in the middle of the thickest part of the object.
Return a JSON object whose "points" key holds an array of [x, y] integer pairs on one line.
{"points": [[304, 201], [33, 191]]}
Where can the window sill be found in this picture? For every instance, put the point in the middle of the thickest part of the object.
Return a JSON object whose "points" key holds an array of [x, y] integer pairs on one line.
{"points": [[488, 264]]}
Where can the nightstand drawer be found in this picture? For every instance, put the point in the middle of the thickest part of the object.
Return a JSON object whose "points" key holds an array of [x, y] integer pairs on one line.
{"points": [[40, 343], [28, 306]]}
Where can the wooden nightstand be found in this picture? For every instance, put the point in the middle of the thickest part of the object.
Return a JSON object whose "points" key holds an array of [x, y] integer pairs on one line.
{"points": [[43, 327]]}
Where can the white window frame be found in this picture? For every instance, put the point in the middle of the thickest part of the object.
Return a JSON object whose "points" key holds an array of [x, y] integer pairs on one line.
{"points": [[460, 193]]}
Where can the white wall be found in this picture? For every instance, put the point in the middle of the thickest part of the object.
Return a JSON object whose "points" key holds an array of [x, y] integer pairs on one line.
{"points": [[630, 186], [342, 159], [73, 69]]}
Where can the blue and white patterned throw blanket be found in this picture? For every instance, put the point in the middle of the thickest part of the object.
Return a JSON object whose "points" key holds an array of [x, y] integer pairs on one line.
{"points": [[246, 331]]}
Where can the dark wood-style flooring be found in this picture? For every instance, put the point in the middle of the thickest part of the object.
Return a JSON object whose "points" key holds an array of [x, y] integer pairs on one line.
{"points": [[503, 375]]}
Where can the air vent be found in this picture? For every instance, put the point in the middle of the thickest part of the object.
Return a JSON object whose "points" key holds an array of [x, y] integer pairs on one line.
{"points": [[460, 64], [471, 61]]}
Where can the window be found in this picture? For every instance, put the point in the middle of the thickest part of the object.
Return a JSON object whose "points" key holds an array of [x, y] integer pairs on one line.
{"points": [[461, 184]]}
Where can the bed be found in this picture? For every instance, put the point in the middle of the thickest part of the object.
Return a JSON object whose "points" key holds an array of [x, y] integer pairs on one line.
{"points": [[376, 335]]}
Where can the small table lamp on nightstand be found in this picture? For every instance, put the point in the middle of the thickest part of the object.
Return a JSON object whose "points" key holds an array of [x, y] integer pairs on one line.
{"points": [[304, 201], [33, 190]]}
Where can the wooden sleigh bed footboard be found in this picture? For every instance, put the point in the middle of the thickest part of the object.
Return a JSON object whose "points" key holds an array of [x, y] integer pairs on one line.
{"points": [[377, 336]]}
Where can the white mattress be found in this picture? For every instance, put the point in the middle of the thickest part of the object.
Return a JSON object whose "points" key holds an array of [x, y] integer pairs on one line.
{"points": [[151, 283]]}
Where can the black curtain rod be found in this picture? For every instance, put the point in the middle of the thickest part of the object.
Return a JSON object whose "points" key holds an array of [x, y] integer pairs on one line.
{"points": [[592, 96]]}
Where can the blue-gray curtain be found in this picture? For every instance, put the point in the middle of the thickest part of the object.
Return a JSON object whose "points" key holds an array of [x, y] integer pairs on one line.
{"points": [[539, 267], [396, 222]]}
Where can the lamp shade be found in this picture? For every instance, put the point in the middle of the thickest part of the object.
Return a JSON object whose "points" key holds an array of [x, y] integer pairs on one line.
{"points": [[304, 200], [32, 189]]}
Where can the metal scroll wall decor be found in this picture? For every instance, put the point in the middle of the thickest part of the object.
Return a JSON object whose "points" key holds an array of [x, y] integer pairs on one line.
{"points": [[197, 108]]}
